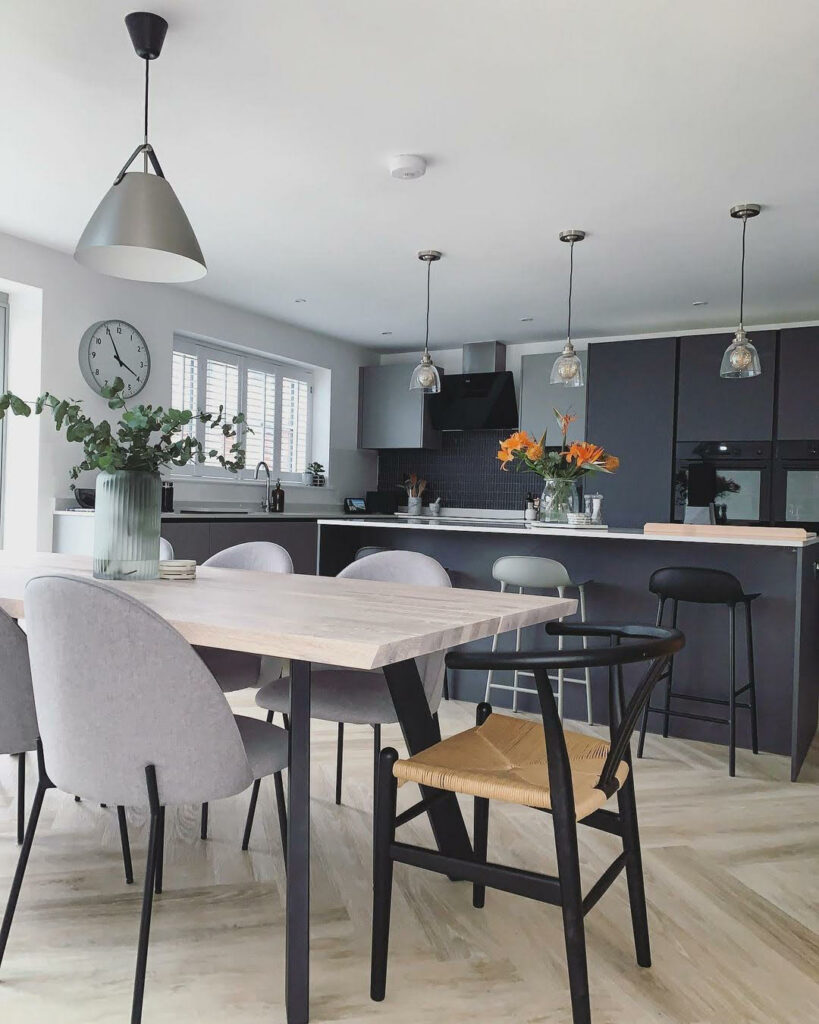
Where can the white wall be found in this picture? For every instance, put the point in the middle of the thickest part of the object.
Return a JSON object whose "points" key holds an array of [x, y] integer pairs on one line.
{"points": [[72, 299]]}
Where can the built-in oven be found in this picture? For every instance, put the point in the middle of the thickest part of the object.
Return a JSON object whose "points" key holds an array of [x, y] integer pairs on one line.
{"points": [[733, 476], [796, 484]]}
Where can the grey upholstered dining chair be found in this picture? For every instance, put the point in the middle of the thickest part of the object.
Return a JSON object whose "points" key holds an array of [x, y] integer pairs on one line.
{"points": [[358, 696], [179, 743], [237, 670], [18, 719]]}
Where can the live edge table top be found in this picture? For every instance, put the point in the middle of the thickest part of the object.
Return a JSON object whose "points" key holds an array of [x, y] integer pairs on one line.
{"points": [[352, 623]]}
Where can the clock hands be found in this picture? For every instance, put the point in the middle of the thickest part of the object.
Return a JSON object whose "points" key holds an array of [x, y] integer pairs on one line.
{"points": [[125, 366]]}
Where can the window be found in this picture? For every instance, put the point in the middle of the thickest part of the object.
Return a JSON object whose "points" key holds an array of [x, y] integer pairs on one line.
{"points": [[276, 399]]}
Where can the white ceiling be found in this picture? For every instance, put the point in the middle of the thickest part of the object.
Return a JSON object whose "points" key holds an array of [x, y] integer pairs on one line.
{"points": [[640, 121]]}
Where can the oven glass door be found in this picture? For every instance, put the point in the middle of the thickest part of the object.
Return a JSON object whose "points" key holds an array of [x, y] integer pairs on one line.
{"points": [[743, 489], [797, 494]]}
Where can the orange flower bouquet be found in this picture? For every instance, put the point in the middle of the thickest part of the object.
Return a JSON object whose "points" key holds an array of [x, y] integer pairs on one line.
{"points": [[560, 467]]}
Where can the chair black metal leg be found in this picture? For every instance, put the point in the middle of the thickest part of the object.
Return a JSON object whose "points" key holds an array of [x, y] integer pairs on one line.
{"points": [[376, 755], [568, 863], [339, 760], [446, 684], [670, 678], [732, 686], [21, 798], [384, 833], [644, 723], [203, 827], [126, 846], [749, 639], [281, 808], [147, 895], [251, 813], [22, 861], [627, 807], [480, 841], [286, 720], [160, 853]]}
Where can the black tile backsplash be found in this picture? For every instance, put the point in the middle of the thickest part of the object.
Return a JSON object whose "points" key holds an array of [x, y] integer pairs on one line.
{"points": [[464, 472]]}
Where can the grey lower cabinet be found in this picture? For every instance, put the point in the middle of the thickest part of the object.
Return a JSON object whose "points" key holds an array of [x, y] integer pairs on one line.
{"points": [[631, 413], [201, 539], [539, 399], [389, 414]]}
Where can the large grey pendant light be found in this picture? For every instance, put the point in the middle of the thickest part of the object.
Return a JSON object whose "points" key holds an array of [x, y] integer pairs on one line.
{"points": [[140, 231], [425, 376], [741, 358], [567, 368]]}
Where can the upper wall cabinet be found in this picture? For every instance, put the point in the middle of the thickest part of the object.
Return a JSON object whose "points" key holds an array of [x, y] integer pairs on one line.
{"points": [[389, 414], [713, 408], [631, 414], [797, 408], [538, 399]]}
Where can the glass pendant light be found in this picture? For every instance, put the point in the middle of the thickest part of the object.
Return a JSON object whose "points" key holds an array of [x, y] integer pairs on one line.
{"points": [[425, 376], [139, 231], [567, 368], [741, 358]]}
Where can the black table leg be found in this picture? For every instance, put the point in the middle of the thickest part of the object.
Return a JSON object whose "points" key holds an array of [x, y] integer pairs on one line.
{"points": [[420, 731], [297, 970]]}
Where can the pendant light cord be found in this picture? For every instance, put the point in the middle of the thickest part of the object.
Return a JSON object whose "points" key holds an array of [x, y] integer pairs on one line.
{"points": [[145, 130], [742, 277], [571, 281], [426, 338]]}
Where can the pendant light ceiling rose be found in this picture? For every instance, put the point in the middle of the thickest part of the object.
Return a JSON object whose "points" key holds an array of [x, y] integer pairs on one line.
{"points": [[572, 236], [147, 32], [745, 211], [429, 255]]}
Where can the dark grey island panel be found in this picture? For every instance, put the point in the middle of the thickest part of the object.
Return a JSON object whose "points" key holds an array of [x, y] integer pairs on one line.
{"points": [[785, 616], [201, 538]]}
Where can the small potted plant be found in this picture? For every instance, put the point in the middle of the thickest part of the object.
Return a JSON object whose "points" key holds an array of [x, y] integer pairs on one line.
{"points": [[129, 455], [316, 468]]}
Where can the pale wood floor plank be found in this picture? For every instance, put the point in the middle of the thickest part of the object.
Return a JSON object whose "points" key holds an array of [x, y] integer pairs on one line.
{"points": [[732, 870]]}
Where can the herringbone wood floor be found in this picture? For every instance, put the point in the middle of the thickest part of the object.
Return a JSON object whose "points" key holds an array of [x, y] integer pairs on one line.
{"points": [[732, 873]]}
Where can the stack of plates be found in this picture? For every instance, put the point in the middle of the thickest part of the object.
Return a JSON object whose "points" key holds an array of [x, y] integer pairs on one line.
{"points": [[178, 569]]}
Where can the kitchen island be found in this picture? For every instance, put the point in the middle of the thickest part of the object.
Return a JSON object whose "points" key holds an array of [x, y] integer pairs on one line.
{"points": [[619, 564]]}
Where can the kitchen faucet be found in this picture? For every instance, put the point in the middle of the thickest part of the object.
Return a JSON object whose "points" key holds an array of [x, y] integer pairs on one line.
{"points": [[266, 501]]}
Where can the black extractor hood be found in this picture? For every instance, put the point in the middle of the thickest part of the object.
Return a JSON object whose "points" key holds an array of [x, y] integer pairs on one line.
{"points": [[481, 398]]}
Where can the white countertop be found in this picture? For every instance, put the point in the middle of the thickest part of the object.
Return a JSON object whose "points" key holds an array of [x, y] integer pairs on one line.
{"points": [[511, 526]]}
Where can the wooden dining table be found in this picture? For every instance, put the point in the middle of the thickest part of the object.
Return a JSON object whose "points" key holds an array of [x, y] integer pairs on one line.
{"points": [[351, 623]]}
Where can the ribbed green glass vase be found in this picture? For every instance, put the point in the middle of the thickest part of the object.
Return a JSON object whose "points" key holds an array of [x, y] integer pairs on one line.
{"points": [[126, 525]]}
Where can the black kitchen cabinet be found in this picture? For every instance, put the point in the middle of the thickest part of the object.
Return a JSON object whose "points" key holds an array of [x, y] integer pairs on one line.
{"points": [[631, 413], [713, 408], [797, 407]]}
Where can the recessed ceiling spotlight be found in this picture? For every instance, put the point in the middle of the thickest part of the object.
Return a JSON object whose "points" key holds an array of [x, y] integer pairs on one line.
{"points": [[300, 300], [526, 319], [385, 333], [700, 302], [407, 166]]}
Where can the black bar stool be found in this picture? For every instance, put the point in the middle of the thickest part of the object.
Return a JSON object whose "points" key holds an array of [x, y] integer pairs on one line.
{"points": [[706, 586]]}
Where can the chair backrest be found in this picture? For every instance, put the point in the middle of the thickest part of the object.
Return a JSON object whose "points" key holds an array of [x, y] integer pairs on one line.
{"points": [[258, 555], [117, 689], [530, 571], [18, 719], [165, 550], [701, 586], [628, 645], [368, 549], [416, 569]]}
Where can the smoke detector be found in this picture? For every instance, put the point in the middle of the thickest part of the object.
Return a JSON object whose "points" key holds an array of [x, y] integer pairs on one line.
{"points": [[407, 166]]}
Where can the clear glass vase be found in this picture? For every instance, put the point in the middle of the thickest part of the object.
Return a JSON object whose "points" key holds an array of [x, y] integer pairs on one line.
{"points": [[559, 497], [126, 525]]}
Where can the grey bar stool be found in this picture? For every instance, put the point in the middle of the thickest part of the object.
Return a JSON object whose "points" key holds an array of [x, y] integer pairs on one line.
{"points": [[706, 586], [523, 571]]}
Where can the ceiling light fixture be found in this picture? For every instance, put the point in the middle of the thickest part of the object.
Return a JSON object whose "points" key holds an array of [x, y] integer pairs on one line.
{"points": [[425, 376], [567, 368], [139, 231], [526, 319], [741, 358], [700, 302]]}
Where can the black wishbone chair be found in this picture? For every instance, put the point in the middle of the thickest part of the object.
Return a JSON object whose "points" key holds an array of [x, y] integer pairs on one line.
{"points": [[571, 777]]}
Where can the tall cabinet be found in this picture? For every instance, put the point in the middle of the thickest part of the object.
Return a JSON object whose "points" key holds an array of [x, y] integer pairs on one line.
{"points": [[630, 412]]}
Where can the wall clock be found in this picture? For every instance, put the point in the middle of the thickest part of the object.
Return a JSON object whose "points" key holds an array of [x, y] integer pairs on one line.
{"points": [[114, 348]]}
